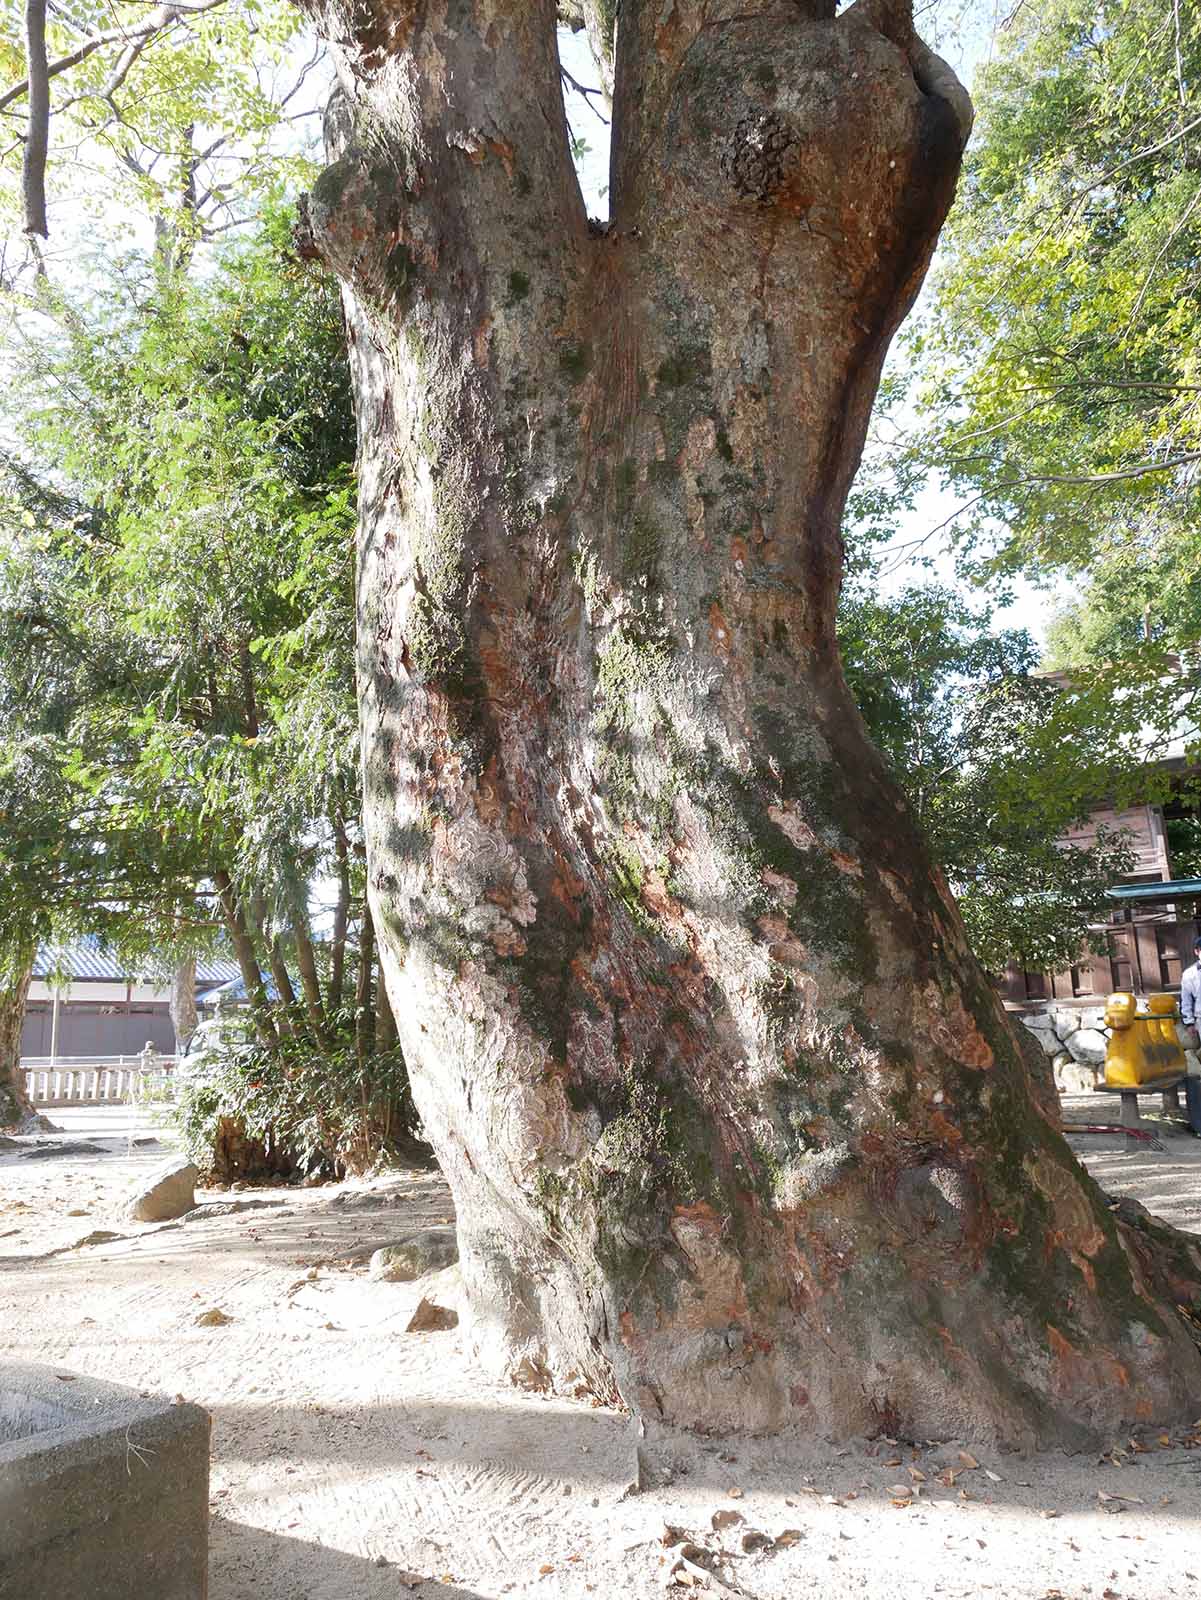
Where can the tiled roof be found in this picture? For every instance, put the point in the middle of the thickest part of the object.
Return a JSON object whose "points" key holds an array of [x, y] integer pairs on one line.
{"points": [[233, 993], [87, 958]]}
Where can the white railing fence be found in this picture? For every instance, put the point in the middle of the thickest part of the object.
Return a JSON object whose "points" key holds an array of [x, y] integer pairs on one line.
{"points": [[98, 1080]]}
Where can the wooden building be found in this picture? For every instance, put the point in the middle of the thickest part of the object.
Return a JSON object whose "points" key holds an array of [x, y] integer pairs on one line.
{"points": [[1148, 939], [103, 1009]]}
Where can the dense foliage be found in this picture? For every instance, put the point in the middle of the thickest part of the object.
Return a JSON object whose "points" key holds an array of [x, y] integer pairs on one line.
{"points": [[1061, 386], [998, 762], [246, 1110], [203, 607]]}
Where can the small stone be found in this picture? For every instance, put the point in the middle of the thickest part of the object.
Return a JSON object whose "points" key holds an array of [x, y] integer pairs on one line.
{"points": [[214, 1318], [722, 1519], [414, 1255], [167, 1192]]}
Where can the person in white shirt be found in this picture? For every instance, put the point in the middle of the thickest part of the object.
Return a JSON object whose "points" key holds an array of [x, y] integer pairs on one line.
{"points": [[1190, 998]]}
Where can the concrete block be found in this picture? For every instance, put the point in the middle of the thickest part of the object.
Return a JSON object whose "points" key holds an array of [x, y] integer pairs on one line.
{"points": [[103, 1492]]}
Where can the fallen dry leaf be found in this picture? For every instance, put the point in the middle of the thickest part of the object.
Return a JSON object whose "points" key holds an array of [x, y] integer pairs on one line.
{"points": [[430, 1317], [790, 1536], [917, 1475], [214, 1318], [725, 1519], [968, 1459], [736, 1493]]}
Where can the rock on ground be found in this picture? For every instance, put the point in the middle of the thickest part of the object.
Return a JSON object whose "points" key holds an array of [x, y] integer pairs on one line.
{"points": [[1074, 1077], [1088, 1046], [167, 1191], [414, 1255]]}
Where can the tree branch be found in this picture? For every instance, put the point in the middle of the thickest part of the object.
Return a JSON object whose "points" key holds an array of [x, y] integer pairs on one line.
{"points": [[37, 138], [156, 23]]}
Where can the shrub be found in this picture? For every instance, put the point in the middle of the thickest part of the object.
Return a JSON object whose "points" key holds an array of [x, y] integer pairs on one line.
{"points": [[245, 1110]]}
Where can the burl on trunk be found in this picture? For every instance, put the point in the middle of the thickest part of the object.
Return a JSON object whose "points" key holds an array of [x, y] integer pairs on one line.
{"points": [[735, 1126]]}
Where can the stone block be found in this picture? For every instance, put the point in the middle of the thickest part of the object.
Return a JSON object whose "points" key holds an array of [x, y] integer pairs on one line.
{"points": [[103, 1493], [1075, 1077], [1064, 1022]]}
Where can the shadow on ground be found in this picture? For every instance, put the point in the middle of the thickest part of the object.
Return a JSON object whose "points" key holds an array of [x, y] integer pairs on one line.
{"points": [[244, 1560], [563, 1449]]}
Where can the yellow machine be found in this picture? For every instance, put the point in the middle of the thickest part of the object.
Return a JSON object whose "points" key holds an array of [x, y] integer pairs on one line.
{"points": [[1142, 1046]]}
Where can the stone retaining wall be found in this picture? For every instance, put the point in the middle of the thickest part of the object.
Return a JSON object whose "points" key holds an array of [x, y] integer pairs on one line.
{"points": [[1072, 1037]]}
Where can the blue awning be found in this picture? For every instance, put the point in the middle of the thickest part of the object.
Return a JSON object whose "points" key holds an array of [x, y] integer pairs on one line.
{"points": [[1155, 893]]}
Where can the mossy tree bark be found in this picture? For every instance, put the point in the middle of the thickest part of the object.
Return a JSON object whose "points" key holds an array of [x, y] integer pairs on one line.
{"points": [[735, 1126], [15, 975]]}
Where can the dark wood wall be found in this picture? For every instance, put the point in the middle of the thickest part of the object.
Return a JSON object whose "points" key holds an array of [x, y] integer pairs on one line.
{"points": [[98, 1028], [1164, 949]]}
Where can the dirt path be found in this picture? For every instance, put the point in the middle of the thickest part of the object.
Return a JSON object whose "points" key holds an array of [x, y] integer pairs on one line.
{"points": [[353, 1461]]}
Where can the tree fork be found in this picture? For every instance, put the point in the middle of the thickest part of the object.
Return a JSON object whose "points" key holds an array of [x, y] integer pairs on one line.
{"points": [[735, 1125]]}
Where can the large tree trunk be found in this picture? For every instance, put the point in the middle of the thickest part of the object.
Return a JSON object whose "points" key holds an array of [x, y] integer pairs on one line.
{"points": [[16, 1110], [736, 1127]]}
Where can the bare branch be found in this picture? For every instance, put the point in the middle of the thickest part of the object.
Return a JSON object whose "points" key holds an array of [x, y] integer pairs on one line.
{"points": [[124, 62], [37, 138], [160, 20], [584, 92], [903, 552]]}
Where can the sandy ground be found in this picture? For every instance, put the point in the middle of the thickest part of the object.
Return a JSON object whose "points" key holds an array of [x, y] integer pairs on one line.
{"points": [[353, 1461]]}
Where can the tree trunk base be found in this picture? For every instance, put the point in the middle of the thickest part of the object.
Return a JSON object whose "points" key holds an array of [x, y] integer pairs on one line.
{"points": [[237, 1158], [35, 1122], [19, 1118], [887, 1350]]}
